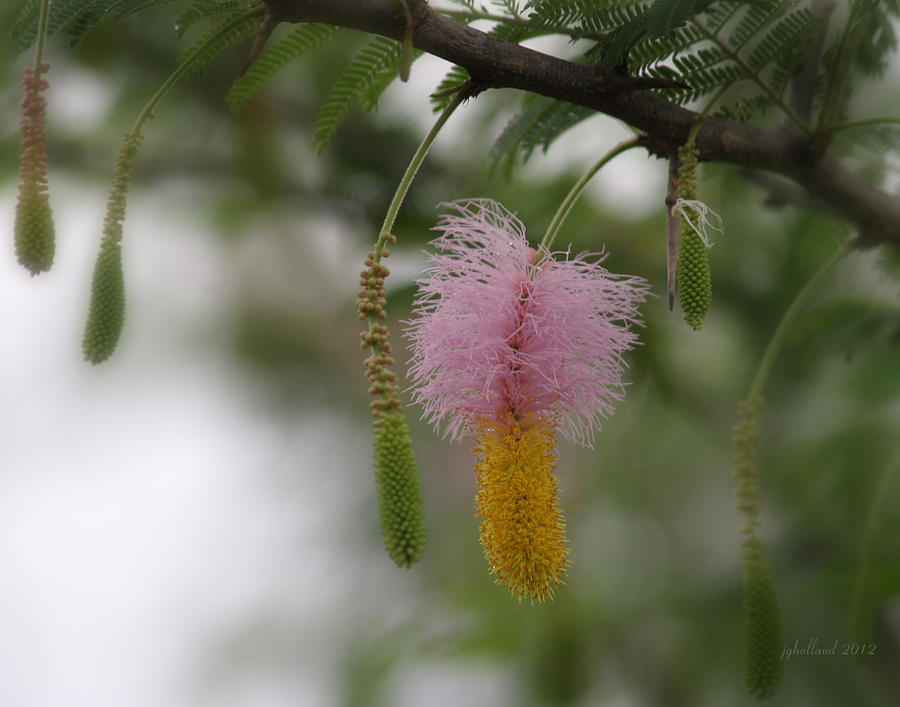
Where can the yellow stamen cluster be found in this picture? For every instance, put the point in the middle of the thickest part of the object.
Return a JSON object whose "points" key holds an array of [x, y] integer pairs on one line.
{"points": [[522, 527]]}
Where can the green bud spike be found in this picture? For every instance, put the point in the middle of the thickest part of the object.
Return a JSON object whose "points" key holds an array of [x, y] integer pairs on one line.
{"points": [[396, 474], [399, 492], [762, 616], [35, 242], [107, 310], [693, 273], [694, 278], [106, 315], [762, 627]]}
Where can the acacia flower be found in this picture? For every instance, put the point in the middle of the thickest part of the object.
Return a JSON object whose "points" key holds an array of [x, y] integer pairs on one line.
{"points": [[512, 346]]}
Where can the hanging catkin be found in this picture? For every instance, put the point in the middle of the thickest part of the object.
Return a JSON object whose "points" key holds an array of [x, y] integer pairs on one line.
{"points": [[106, 314], [35, 242], [693, 274]]}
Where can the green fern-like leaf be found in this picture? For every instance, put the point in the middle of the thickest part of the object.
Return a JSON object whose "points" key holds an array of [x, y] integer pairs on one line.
{"points": [[506, 147], [25, 23], [863, 45], [541, 122], [200, 10], [709, 45], [552, 124], [756, 44], [358, 76], [785, 35], [298, 42], [369, 97], [79, 16], [209, 46], [753, 22], [102, 11], [877, 139], [443, 94], [666, 15], [585, 16], [62, 13]]}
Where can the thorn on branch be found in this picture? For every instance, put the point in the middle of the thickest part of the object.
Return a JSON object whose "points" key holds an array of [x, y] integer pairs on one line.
{"points": [[644, 82], [406, 44]]}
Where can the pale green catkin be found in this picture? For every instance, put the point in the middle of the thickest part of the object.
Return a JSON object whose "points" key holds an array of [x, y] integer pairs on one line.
{"points": [[693, 273], [106, 315], [399, 492], [763, 635], [34, 233], [35, 240], [396, 473]]}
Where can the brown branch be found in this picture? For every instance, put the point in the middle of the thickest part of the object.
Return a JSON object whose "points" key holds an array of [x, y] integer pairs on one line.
{"points": [[495, 63], [673, 228]]}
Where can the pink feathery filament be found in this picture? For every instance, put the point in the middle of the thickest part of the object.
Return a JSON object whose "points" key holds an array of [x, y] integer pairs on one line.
{"points": [[501, 329]]}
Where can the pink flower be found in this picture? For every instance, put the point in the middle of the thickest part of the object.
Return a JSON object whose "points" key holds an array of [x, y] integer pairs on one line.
{"points": [[502, 329]]}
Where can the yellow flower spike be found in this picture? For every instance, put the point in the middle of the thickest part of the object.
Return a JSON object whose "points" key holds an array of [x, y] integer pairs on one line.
{"points": [[522, 527]]}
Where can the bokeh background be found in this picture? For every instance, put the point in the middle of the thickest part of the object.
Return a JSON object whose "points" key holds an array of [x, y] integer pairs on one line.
{"points": [[194, 522]]}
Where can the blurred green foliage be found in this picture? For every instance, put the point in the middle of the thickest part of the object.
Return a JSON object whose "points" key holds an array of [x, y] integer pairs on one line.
{"points": [[651, 611]]}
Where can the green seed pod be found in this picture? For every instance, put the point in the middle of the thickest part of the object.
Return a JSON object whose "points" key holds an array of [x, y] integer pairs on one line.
{"points": [[399, 491], [106, 315], [35, 242], [693, 273], [762, 627]]}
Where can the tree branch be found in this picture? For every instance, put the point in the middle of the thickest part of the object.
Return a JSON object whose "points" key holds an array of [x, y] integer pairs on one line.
{"points": [[495, 63]]}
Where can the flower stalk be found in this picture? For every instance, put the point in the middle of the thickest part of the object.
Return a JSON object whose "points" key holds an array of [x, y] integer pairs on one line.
{"points": [[396, 473], [106, 311], [762, 615]]}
